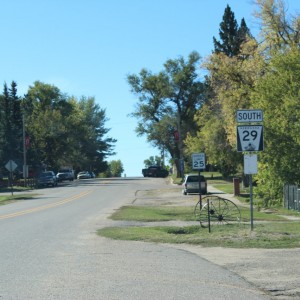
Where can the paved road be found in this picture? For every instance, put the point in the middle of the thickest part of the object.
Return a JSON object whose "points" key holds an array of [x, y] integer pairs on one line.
{"points": [[50, 250]]}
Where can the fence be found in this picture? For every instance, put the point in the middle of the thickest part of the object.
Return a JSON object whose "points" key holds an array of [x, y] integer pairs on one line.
{"points": [[291, 197]]}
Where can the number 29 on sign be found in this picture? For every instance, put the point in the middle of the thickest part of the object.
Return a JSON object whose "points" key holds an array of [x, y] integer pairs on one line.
{"points": [[198, 161]]}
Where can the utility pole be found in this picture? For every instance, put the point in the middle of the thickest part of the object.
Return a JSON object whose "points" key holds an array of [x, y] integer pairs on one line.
{"points": [[180, 145], [24, 153]]}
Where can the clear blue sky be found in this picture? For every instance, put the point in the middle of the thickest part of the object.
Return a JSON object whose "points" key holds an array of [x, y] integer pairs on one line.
{"points": [[88, 47]]}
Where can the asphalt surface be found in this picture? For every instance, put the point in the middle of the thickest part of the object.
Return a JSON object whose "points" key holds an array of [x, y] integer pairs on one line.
{"points": [[50, 250]]}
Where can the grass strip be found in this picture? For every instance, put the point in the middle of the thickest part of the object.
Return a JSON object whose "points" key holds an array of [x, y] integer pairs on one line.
{"points": [[268, 235], [12, 198], [179, 213], [270, 230]]}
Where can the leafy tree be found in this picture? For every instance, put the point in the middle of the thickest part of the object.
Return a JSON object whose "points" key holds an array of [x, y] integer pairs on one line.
{"points": [[51, 118], [94, 143], [115, 168], [46, 126], [153, 161], [229, 81], [277, 94], [229, 84], [278, 30], [167, 103]]}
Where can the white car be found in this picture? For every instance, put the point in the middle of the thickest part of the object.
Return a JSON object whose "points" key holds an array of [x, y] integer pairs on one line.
{"points": [[191, 184], [84, 175]]}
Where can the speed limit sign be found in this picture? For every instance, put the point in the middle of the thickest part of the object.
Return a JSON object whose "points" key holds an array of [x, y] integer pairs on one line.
{"points": [[250, 138], [198, 161]]}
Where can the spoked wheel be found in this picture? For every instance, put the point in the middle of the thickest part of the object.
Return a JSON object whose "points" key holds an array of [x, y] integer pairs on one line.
{"points": [[217, 210]]}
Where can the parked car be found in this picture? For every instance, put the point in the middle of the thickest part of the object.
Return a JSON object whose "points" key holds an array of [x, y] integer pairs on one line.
{"points": [[47, 178], [191, 184], [92, 175], [65, 174], [84, 175]]}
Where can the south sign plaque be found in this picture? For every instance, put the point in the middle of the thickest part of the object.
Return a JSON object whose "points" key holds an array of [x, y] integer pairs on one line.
{"points": [[249, 115]]}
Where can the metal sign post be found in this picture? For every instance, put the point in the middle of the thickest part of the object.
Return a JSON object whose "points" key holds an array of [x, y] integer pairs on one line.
{"points": [[250, 167], [11, 166], [250, 140]]}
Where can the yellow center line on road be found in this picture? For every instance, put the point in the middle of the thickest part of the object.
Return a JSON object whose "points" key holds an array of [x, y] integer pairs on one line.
{"points": [[40, 208]]}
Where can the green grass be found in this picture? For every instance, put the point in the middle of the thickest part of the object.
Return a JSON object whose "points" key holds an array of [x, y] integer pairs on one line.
{"points": [[224, 187], [179, 213], [270, 235], [154, 213], [12, 198], [271, 230]]}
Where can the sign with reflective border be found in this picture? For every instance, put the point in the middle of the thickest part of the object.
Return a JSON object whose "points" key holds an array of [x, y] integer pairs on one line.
{"points": [[249, 115], [198, 161], [250, 138]]}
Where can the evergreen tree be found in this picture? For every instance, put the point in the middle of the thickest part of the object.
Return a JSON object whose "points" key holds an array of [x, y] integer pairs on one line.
{"points": [[231, 35], [17, 123], [11, 125], [244, 33]]}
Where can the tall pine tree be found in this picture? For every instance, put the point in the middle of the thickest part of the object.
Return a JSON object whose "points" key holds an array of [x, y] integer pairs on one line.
{"points": [[231, 35], [11, 125]]}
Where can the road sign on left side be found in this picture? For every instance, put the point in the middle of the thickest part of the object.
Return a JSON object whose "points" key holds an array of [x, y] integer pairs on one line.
{"points": [[11, 165]]}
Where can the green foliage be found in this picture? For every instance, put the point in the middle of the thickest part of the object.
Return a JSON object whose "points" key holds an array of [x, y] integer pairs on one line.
{"points": [[153, 161], [11, 125], [277, 94], [167, 102], [232, 36], [115, 168], [62, 130], [154, 213], [269, 236], [275, 232]]}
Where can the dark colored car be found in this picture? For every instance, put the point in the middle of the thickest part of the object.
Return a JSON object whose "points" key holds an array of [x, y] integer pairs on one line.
{"points": [[191, 184], [47, 178], [155, 171], [92, 174]]}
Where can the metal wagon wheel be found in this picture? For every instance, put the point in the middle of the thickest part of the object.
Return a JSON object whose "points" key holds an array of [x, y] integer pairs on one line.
{"points": [[218, 211]]}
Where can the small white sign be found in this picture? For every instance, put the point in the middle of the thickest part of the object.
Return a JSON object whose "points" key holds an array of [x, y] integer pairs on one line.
{"points": [[249, 115], [198, 161], [250, 138], [250, 164]]}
